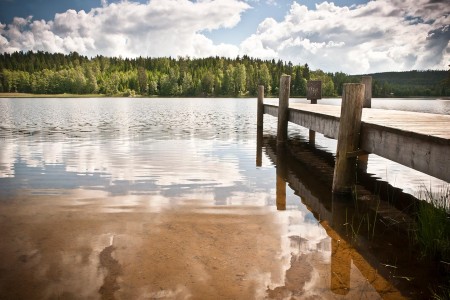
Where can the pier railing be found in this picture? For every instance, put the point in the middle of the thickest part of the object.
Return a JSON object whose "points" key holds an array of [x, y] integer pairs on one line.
{"points": [[420, 141]]}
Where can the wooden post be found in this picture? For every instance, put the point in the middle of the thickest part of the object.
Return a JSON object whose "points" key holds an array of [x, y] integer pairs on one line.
{"points": [[313, 92], [259, 127], [312, 137], [312, 133], [283, 108], [260, 109], [367, 81], [344, 177]]}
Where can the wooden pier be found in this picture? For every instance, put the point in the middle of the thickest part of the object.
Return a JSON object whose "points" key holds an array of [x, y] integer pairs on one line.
{"points": [[420, 141]]}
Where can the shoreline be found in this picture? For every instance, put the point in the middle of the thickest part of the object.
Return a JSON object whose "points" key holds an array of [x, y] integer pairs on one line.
{"points": [[30, 95]]}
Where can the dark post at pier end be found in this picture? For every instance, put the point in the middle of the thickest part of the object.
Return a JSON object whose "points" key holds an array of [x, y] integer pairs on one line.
{"points": [[313, 93], [283, 108]]}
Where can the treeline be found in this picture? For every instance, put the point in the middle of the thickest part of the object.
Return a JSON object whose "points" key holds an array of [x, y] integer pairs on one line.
{"points": [[55, 73], [46, 73], [411, 83]]}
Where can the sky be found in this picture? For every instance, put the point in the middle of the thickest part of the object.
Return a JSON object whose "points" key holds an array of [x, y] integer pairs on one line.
{"points": [[351, 36]]}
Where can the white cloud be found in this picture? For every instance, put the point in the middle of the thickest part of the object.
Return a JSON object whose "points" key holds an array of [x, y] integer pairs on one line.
{"points": [[129, 29], [378, 36]]}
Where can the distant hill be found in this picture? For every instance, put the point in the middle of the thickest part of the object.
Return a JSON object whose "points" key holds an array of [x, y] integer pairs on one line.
{"points": [[411, 83]]}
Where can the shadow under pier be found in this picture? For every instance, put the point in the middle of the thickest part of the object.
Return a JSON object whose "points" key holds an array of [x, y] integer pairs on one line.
{"points": [[358, 227]]}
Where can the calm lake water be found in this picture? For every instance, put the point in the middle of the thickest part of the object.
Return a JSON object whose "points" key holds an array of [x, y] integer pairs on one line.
{"points": [[161, 198]]}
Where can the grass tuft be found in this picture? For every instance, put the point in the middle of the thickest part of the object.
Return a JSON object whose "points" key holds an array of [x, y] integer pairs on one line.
{"points": [[433, 233], [433, 223]]}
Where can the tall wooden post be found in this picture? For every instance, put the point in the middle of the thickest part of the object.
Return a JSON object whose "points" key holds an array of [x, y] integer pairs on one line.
{"points": [[348, 138], [283, 108], [313, 92], [367, 81], [260, 108], [259, 127]]}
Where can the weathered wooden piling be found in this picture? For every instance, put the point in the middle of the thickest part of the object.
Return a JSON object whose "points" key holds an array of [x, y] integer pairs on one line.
{"points": [[260, 108], [259, 127], [312, 137], [363, 159], [367, 81], [348, 138], [283, 109], [281, 176], [314, 90], [313, 93]]}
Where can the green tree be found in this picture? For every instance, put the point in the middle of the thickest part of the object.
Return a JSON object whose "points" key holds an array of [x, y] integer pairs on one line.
{"points": [[91, 80], [306, 72], [207, 85], [142, 79], [112, 84], [169, 84], [265, 78], [299, 83], [229, 84], [187, 84], [240, 79]]}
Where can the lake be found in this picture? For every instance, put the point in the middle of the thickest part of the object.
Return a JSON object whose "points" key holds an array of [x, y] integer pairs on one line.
{"points": [[161, 198]]}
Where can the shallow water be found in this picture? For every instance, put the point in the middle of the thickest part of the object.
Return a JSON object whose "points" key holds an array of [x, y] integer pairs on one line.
{"points": [[154, 198]]}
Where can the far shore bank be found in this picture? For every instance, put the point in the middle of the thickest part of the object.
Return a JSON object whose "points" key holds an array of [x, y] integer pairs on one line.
{"points": [[67, 95], [29, 95]]}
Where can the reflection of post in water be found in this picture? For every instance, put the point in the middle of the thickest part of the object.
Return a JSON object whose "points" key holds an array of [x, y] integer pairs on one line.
{"points": [[259, 142], [281, 176], [259, 127], [340, 267], [313, 92], [340, 249]]}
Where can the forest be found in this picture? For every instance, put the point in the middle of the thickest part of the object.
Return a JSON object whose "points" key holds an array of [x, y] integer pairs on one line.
{"points": [[56, 73]]}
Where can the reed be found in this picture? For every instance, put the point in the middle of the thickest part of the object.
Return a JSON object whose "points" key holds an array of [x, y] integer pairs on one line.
{"points": [[441, 293], [433, 233], [433, 223]]}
